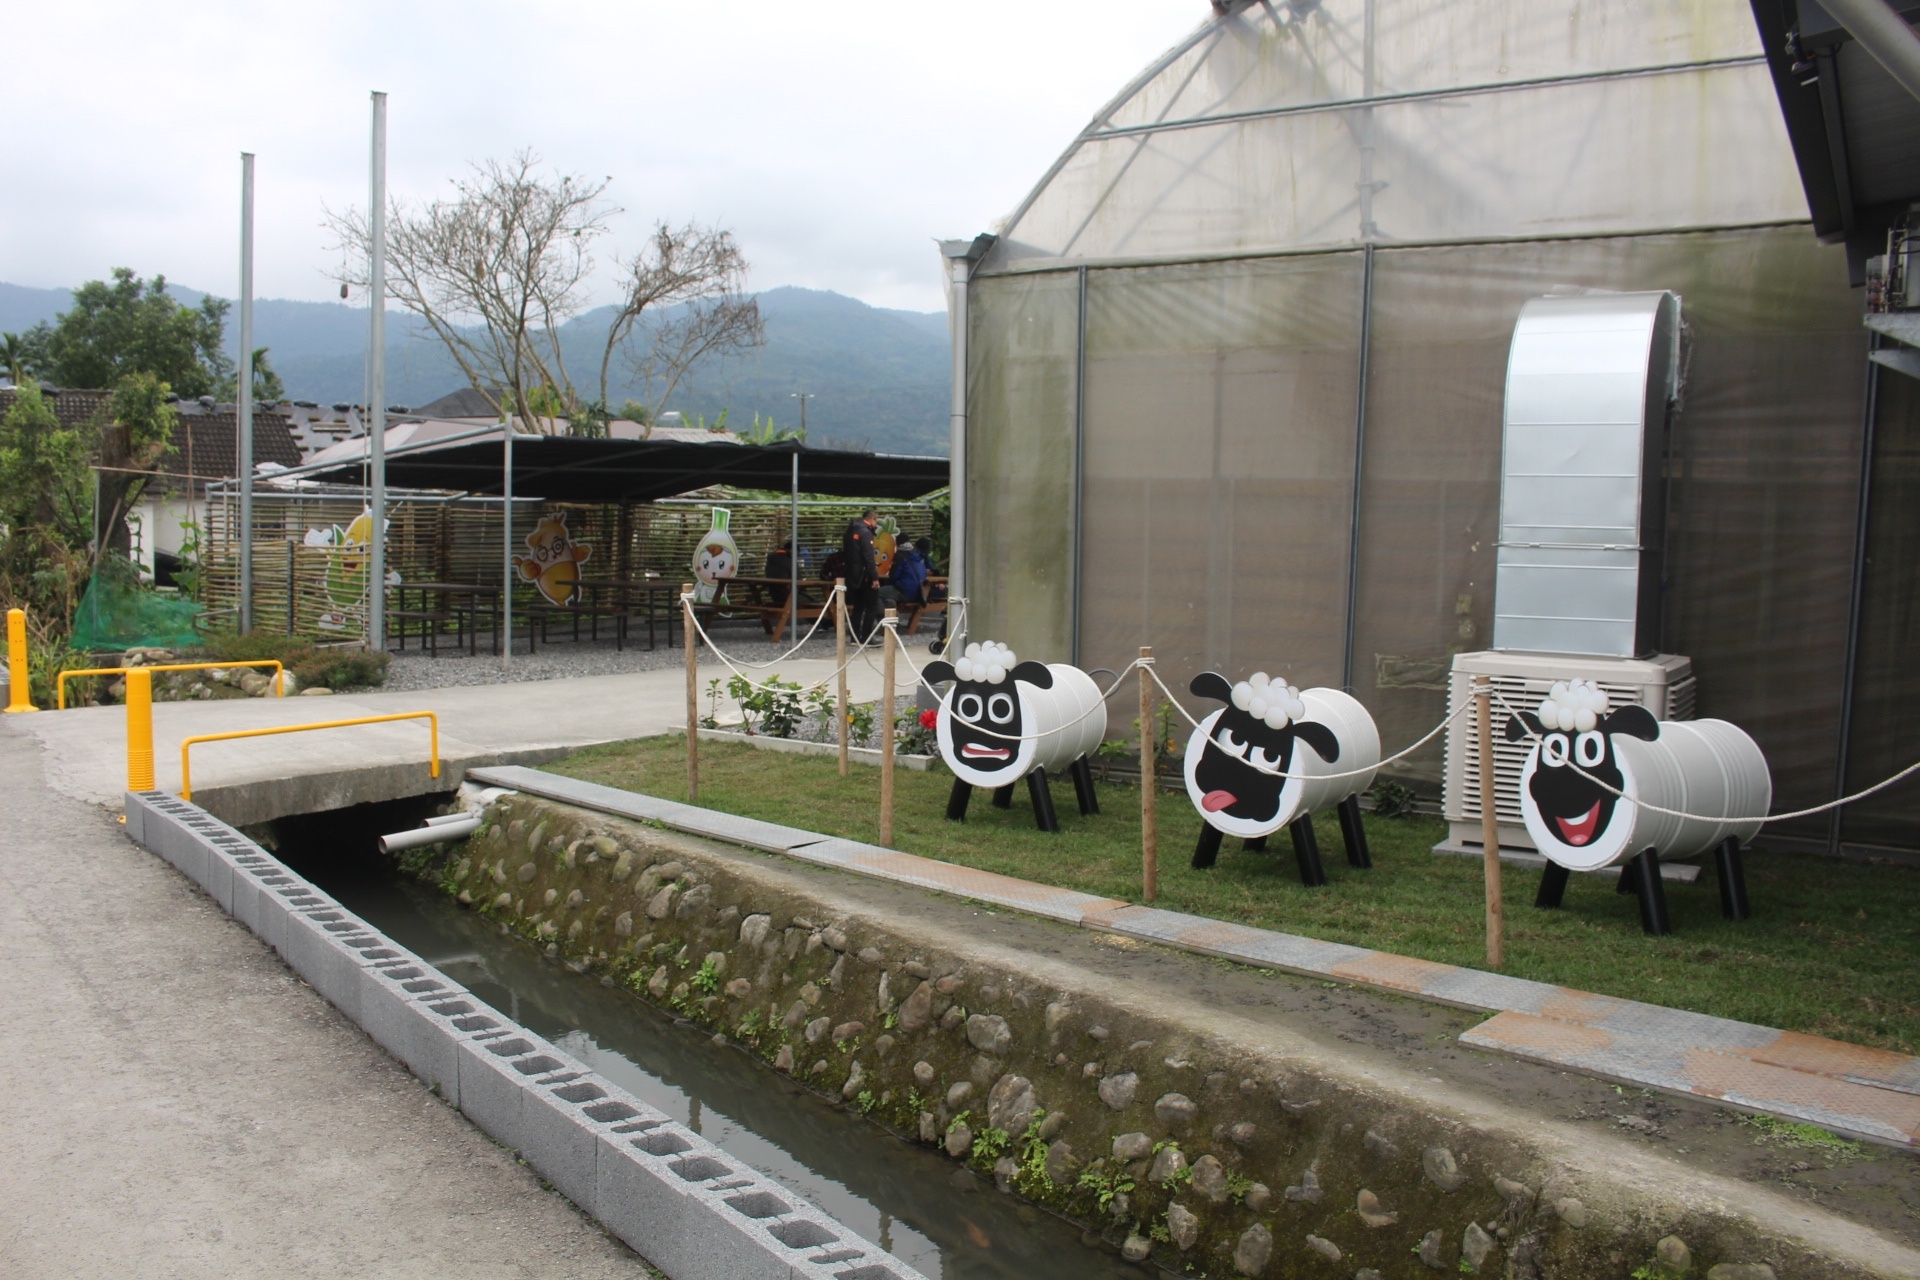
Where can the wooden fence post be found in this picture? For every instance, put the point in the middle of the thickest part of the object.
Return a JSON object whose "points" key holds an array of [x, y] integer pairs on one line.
{"points": [[1490, 827], [886, 733], [840, 651], [693, 693], [1149, 821]]}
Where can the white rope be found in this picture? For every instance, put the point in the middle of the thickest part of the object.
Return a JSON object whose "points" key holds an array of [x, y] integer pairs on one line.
{"points": [[1907, 772], [804, 640], [1350, 773]]}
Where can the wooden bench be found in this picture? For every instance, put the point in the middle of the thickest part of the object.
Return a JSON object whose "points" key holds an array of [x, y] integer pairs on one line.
{"points": [[914, 612]]}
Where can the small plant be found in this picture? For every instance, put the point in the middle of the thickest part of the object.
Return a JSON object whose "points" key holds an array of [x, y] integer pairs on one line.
{"points": [[860, 722], [1392, 799], [705, 980], [954, 1124], [1109, 751], [989, 1145], [748, 1029], [1105, 1182], [711, 720], [1238, 1184], [1033, 1173], [891, 1021], [913, 731], [864, 1101], [1808, 1137], [772, 707]]}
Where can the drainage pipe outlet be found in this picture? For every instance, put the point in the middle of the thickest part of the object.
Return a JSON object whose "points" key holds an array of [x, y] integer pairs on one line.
{"points": [[450, 827]]}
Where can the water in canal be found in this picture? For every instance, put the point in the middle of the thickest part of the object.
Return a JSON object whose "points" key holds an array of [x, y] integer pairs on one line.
{"points": [[911, 1201]]}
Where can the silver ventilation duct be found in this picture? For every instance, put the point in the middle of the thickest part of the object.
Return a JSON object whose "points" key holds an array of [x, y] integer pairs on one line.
{"points": [[1590, 378]]}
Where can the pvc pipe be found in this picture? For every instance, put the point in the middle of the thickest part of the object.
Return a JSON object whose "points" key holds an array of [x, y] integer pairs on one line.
{"points": [[1885, 35], [439, 819], [458, 829]]}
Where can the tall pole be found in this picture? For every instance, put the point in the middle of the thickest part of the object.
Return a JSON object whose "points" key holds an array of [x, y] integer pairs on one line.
{"points": [[959, 271], [506, 538], [377, 384], [886, 732], [243, 396], [840, 652], [793, 558], [693, 692]]}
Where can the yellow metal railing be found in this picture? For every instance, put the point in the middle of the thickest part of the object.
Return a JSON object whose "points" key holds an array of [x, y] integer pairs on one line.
{"points": [[19, 697], [186, 774], [60, 681]]}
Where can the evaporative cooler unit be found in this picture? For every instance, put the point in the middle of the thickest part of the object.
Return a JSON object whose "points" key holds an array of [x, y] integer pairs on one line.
{"points": [[1591, 379]]}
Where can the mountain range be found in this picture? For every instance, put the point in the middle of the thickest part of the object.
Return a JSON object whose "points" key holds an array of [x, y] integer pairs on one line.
{"points": [[876, 378]]}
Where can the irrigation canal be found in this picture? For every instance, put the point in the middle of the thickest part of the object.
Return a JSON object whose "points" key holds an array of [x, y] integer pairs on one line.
{"points": [[922, 1208]]}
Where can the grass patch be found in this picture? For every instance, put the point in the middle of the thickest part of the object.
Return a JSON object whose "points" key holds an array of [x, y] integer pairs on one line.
{"points": [[1805, 1137], [1829, 950]]}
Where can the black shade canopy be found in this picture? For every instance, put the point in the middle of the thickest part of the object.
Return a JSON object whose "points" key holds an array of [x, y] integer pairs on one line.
{"points": [[565, 469]]}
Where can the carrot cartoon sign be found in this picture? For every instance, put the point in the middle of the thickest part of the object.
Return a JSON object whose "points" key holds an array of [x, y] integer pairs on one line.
{"points": [[553, 560]]}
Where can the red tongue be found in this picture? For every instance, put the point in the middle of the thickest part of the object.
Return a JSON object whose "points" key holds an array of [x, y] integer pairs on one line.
{"points": [[1577, 833], [1215, 801]]}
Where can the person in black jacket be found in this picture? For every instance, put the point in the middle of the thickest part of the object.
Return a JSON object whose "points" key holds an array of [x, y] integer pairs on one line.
{"points": [[863, 574]]}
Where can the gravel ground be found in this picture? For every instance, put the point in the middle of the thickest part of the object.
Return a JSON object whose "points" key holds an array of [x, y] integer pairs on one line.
{"points": [[563, 659]]}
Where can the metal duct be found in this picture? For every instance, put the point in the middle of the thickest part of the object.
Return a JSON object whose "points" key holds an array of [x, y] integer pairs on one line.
{"points": [[1589, 381]]}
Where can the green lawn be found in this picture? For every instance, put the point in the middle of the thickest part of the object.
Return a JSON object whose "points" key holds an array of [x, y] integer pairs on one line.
{"points": [[1830, 949]]}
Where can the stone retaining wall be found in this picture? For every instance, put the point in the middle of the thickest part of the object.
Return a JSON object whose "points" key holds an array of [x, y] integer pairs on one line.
{"points": [[1208, 1153]]}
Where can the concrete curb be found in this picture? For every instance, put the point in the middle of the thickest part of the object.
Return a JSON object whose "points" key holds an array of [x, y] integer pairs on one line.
{"points": [[1862, 1092], [691, 1210]]}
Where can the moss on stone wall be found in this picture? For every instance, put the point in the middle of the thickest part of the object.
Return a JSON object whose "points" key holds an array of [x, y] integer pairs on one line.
{"points": [[1173, 1144]]}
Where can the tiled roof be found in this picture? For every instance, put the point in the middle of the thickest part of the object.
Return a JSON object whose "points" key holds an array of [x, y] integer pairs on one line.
{"points": [[205, 436]]}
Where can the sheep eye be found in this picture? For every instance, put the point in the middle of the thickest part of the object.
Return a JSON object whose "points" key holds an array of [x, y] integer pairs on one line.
{"points": [[1259, 758], [1000, 709], [1589, 749], [1229, 744], [1553, 750], [968, 707]]}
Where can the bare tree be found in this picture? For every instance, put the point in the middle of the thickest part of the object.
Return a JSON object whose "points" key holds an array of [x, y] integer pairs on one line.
{"points": [[495, 271], [692, 279]]}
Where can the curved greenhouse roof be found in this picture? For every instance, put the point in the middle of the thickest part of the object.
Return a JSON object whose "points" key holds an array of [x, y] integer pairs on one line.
{"points": [[1324, 123]]}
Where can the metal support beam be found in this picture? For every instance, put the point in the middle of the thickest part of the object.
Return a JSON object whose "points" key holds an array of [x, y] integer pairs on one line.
{"points": [[377, 385], [243, 395], [1885, 35]]}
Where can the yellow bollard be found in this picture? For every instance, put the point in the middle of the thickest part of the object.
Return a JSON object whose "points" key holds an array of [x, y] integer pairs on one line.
{"points": [[19, 686], [139, 730]]}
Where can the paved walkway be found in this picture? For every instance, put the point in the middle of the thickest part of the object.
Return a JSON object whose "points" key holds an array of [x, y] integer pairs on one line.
{"points": [[177, 1103], [528, 722], [1869, 1093]]}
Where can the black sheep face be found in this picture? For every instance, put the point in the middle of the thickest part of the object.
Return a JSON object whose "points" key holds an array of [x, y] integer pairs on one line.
{"points": [[1570, 816], [983, 718], [1233, 756]]}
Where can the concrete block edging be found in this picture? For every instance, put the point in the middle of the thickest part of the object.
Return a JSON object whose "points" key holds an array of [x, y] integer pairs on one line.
{"points": [[690, 1209]]}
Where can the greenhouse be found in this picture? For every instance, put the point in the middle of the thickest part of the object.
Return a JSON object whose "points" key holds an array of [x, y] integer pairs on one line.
{"points": [[1234, 370]]}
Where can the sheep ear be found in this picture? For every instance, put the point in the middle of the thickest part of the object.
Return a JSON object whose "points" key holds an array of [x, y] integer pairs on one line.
{"points": [[1633, 720], [1211, 685], [939, 671], [1519, 726], [1319, 737], [1035, 674]]}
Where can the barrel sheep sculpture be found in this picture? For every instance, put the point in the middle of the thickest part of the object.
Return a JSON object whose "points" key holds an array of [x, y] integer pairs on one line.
{"points": [[1264, 761], [1590, 764], [1004, 720]]}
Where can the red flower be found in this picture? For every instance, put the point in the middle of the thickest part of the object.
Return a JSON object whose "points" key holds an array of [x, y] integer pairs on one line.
{"points": [[929, 718]]}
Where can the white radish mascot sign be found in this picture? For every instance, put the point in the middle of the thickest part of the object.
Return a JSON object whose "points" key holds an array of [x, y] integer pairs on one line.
{"points": [[1592, 763], [1263, 760], [1004, 720]]}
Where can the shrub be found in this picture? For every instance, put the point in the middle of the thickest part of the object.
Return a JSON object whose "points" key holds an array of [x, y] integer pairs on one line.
{"points": [[336, 669]]}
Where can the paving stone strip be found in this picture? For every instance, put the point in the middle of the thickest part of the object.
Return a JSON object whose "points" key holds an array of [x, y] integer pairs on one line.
{"points": [[692, 1211], [1873, 1094]]}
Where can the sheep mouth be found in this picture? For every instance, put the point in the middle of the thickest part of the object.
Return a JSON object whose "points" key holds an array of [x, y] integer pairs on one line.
{"points": [[1215, 801], [974, 751], [1577, 831]]}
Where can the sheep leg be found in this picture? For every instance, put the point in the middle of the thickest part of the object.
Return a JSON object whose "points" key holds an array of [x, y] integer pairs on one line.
{"points": [[1003, 797], [1553, 887], [1306, 850], [1083, 787], [1258, 844], [1354, 834], [1629, 881], [1733, 879], [1653, 894], [1042, 797], [957, 800], [1207, 849]]}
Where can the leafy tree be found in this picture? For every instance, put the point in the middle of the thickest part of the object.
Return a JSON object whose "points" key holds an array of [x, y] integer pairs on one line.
{"points": [[267, 386], [132, 326], [135, 432], [24, 354], [45, 491]]}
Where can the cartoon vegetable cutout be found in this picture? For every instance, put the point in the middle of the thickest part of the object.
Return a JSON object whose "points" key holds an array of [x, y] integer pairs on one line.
{"points": [[886, 540], [715, 558]]}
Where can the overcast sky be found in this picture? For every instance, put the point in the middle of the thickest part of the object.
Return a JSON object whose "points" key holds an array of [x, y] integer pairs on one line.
{"points": [[837, 139]]}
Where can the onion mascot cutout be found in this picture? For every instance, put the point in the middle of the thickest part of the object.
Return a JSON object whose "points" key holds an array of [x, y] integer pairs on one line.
{"points": [[1005, 720], [1584, 750], [1268, 728]]}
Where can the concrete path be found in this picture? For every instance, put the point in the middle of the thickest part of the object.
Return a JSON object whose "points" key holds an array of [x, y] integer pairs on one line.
{"points": [[177, 1103], [255, 779], [1868, 1093]]}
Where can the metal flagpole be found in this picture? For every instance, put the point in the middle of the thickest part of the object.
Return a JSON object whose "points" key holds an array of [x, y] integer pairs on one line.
{"points": [[506, 534], [793, 560], [243, 395], [377, 386]]}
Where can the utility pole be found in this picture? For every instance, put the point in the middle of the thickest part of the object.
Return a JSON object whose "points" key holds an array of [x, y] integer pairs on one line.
{"points": [[377, 386], [243, 397], [803, 397]]}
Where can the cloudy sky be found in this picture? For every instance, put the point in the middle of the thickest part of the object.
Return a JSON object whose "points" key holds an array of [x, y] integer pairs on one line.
{"points": [[838, 139]]}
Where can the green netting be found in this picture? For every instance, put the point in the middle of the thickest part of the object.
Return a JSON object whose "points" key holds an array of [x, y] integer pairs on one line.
{"points": [[118, 613]]}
